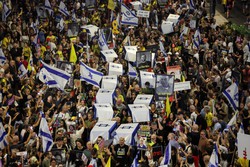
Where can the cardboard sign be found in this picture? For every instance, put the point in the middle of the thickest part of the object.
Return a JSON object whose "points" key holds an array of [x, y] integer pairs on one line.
{"points": [[143, 13], [179, 86]]}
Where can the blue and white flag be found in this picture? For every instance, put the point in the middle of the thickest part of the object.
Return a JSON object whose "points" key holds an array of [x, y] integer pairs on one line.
{"points": [[131, 71], [102, 41], [60, 25], [35, 26], [192, 5], [232, 95], [167, 155], [135, 161], [5, 12], [63, 9], [197, 38], [2, 57], [21, 70], [3, 137], [54, 77], [214, 160], [162, 48], [241, 130], [232, 121], [128, 18], [48, 7], [90, 75], [45, 134]]}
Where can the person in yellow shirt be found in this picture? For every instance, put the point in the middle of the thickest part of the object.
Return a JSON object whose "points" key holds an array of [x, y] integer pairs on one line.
{"points": [[60, 52], [208, 117], [26, 51], [6, 41]]}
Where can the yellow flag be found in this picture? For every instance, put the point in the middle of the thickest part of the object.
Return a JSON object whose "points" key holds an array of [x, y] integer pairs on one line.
{"points": [[108, 164], [183, 78], [111, 5], [72, 57], [168, 109], [30, 63]]}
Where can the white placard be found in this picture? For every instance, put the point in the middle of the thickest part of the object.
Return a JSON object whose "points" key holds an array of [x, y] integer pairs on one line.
{"points": [[143, 13], [179, 86], [102, 128], [130, 53], [139, 112], [128, 131], [243, 145], [143, 99], [192, 24], [137, 5], [147, 77], [167, 27], [109, 82], [109, 55], [105, 96], [115, 69], [173, 18], [91, 28], [104, 112]]}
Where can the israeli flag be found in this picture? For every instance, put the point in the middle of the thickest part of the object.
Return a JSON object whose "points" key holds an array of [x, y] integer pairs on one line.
{"points": [[90, 75], [128, 131], [139, 112], [105, 96], [197, 38], [232, 95], [192, 5], [233, 120], [147, 77], [60, 25], [21, 70], [162, 48], [63, 9], [5, 12], [3, 138], [2, 57], [54, 77], [109, 55], [35, 26], [92, 29], [130, 53], [214, 160], [104, 129], [48, 7], [45, 134], [131, 71], [135, 161], [115, 69], [143, 99], [109, 82], [104, 112], [102, 41], [167, 155], [128, 18]]}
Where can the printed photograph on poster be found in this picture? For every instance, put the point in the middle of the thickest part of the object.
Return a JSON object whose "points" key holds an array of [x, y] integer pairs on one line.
{"points": [[174, 70], [143, 60], [73, 29], [164, 86], [59, 154], [69, 68]]}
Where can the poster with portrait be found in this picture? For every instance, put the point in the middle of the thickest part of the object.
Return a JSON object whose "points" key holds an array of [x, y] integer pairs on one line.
{"points": [[73, 29], [164, 86], [71, 127], [60, 155], [174, 70], [143, 60], [162, 3], [69, 68], [90, 4]]}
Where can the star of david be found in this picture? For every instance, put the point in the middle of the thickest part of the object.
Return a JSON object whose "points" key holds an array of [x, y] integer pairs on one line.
{"points": [[90, 75]]}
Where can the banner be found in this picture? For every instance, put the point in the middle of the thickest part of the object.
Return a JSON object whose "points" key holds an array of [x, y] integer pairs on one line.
{"points": [[128, 131], [109, 82], [137, 5], [143, 13], [104, 112], [115, 69], [147, 77], [92, 29], [143, 99], [109, 55], [105, 96], [128, 18], [167, 27], [173, 18], [179, 86], [130, 53], [139, 112], [174, 70]]}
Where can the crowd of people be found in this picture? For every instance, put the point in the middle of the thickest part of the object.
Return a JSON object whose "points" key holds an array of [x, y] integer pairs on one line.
{"points": [[199, 116]]}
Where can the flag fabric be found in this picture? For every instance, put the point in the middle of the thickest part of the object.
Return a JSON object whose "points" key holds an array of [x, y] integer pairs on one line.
{"points": [[63, 9], [60, 25], [5, 12], [102, 41], [192, 5], [2, 57], [197, 38], [233, 120], [90, 75], [3, 138], [45, 134], [167, 155], [135, 161], [21, 70], [111, 5], [131, 71], [73, 57], [183, 78], [48, 7], [214, 160], [162, 48], [53, 77], [128, 18], [108, 164], [241, 130], [232, 95], [35, 26], [168, 107]]}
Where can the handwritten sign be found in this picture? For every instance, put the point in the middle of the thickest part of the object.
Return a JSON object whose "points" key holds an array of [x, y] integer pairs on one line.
{"points": [[143, 13]]}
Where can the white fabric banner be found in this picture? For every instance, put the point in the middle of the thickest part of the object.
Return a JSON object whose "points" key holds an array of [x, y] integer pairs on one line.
{"points": [[115, 69], [109, 55], [104, 112], [102, 128], [130, 53], [143, 99], [173, 18], [147, 77], [91, 28], [128, 131], [139, 112], [109, 82], [105, 96]]}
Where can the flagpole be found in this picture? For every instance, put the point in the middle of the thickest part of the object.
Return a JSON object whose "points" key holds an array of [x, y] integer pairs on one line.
{"points": [[233, 156]]}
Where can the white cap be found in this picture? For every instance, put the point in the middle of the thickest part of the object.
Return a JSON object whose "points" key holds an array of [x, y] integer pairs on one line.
{"points": [[169, 53]]}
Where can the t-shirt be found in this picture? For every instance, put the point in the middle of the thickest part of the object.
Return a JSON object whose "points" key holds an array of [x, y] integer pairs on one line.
{"points": [[121, 153]]}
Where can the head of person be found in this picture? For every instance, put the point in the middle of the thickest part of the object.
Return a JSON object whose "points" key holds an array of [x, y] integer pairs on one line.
{"points": [[164, 82], [121, 141], [143, 58]]}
